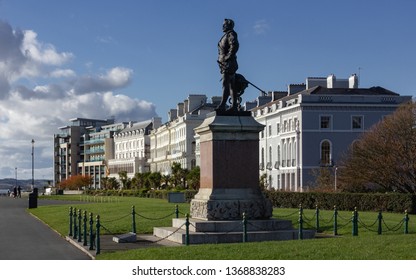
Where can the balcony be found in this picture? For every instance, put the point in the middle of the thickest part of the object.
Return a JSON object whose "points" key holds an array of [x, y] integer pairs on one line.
{"points": [[94, 141], [94, 151], [277, 164]]}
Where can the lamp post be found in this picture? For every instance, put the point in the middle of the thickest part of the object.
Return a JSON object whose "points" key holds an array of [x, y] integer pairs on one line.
{"points": [[33, 164], [15, 172]]}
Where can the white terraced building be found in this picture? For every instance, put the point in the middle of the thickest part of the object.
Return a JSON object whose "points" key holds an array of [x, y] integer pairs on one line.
{"points": [[311, 125], [132, 149], [175, 140]]}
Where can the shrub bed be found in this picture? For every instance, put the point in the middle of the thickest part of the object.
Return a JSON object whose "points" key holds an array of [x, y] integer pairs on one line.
{"points": [[390, 202], [146, 193]]}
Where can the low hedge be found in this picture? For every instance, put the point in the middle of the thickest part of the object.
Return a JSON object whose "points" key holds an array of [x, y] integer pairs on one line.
{"points": [[390, 202], [161, 194]]}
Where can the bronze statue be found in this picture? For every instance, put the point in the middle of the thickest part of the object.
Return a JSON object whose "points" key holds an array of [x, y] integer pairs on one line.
{"points": [[227, 61]]}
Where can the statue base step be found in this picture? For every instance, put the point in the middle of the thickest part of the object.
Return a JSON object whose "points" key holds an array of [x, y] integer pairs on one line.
{"points": [[208, 232]]}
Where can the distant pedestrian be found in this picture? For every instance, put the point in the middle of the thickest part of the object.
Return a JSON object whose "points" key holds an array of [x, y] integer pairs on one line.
{"points": [[19, 192], [14, 192]]}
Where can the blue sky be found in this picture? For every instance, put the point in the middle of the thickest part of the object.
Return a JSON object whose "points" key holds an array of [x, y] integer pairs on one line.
{"points": [[136, 59]]}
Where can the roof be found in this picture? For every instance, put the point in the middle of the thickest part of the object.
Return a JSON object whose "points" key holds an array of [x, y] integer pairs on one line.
{"points": [[137, 126], [319, 90]]}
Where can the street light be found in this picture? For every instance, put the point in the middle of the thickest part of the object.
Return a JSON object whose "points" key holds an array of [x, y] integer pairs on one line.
{"points": [[15, 169], [33, 164]]}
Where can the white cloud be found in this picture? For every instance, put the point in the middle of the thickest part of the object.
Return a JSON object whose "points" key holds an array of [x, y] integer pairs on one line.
{"points": [[30, 109], [261, 26], [62, 73], [42, 53]]}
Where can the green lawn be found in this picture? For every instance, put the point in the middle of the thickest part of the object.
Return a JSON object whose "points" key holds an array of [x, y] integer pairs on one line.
{"points": [[116, 217]]}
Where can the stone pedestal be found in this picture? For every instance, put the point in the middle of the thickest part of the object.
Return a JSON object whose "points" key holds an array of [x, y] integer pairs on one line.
{"points": [[229, 186], [229, 147]]}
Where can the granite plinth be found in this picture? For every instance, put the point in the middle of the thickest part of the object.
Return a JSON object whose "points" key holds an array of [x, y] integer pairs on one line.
{"points": [[207, 232]]}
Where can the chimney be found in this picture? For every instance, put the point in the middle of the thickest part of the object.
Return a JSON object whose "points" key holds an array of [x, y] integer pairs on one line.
{"points": [[157, 122], [172, 114], [330, 81], [353, 81], [195, 101], [185, 106], [295, 88], [180, 110]]}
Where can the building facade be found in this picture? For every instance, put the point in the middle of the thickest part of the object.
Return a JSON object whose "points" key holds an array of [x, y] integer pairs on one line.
{"points": [[98, 150], [175, 140], [313, 125], [69, 148], [132, 149]]}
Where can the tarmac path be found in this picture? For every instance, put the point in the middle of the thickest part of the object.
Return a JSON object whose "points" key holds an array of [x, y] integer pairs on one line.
{"points": [[23, 237]]}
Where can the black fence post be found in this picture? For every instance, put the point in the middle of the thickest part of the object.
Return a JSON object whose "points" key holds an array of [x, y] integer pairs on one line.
{"points": [[79, 226], [74, 216], [187, 230], [244, 227], [406, 222], [97, 236], [70, 221], [355, 222], [335, 220], [85, 229], [380, 219], [91, 232], [133, 215], [300, 234]]}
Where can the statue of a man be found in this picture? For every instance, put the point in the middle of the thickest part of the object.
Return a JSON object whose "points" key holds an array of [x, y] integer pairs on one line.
{"points": [[227, 61]]}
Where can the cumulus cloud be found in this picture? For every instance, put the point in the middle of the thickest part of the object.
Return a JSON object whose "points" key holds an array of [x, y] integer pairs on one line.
{"points": [[30, 109], [115, 78]]}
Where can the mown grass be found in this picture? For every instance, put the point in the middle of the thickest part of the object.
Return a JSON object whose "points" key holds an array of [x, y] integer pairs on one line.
{"points": [[115, 216]]}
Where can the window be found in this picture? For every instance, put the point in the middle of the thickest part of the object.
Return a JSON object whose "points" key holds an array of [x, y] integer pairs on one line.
{"points": [[270, 130], [325, 122], [325, 153], [357, 122], [278, 128]]}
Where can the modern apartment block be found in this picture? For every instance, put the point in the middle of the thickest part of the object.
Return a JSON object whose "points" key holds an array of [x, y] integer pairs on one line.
{"points": [[312, 124], [98, 150], [69, 147], [175, 140], [132, 148]]}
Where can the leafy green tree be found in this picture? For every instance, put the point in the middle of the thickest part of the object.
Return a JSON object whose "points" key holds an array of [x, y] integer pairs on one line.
{"points": [[124, 179], [194, 178], [110, 183], [178, 176], [165, 181], [154, 180]]}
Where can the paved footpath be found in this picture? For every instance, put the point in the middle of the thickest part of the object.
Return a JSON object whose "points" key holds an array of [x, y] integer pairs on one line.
{"points": [[24, 237]]}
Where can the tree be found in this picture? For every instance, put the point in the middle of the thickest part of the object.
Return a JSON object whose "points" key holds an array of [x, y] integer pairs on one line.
{"points": [[194, 177], [178, 175], [155, 180], [110, 183], [76, 182], [125, 180], [384, 158], [141, 180]]}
